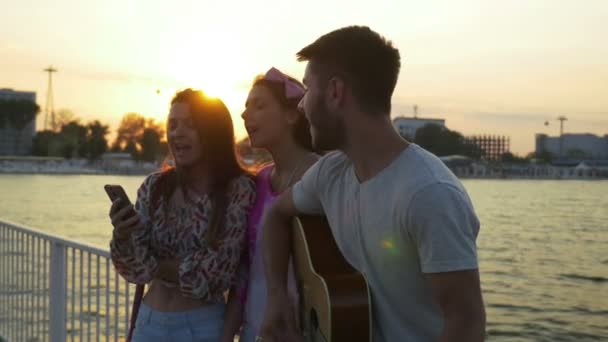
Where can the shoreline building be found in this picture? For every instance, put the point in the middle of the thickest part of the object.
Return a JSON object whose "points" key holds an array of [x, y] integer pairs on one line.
{"points": [[12, 141], [492, 147], [578, 146]]}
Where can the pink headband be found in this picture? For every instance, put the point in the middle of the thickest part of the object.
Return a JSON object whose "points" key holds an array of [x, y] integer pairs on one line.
{"points": [[292, 89]]}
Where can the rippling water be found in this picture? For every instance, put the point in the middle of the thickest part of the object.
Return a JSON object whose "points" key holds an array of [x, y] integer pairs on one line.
{"points": [[543, 251], [543, 246]]}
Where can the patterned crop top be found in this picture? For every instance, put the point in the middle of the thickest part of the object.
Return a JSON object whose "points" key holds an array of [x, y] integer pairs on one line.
{"points": [[178, 233]]}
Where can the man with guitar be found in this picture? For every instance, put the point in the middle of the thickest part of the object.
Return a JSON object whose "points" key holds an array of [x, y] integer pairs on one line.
{"points": [[398, 215]]}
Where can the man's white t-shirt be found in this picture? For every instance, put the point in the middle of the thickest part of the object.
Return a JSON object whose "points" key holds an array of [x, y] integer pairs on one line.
{"points": [[413, 217]]}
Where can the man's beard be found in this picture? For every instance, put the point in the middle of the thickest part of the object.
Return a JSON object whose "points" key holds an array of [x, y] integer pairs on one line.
{"points": [[328, 130]]}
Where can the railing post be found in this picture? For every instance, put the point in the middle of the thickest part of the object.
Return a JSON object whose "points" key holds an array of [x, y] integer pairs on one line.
{"points": [[58, 292]]}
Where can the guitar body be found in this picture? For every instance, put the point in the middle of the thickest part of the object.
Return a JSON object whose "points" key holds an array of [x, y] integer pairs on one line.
{"points": [[335, 303]]}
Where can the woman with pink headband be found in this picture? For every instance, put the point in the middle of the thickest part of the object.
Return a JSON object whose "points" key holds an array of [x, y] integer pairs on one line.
{"points": [[274, 123]]}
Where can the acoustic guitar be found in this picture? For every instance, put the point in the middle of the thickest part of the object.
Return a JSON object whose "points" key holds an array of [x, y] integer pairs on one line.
{"points": [[335, 302]]}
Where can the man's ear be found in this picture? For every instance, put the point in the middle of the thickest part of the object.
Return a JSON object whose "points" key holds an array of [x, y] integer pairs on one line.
{"points": [[336, 92]]}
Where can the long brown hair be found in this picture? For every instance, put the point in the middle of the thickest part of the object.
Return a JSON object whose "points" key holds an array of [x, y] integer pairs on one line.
{"points": [[216, 133]]}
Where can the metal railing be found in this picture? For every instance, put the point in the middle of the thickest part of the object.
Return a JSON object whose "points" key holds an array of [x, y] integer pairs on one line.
{"points": [[55, 289]]}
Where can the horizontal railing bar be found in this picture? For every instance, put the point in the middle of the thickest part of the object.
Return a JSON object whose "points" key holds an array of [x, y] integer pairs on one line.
{"points": [[53, 238]]}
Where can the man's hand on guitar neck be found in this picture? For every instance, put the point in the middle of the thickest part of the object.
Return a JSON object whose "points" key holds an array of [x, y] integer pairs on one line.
{"points": [[279, 320]]}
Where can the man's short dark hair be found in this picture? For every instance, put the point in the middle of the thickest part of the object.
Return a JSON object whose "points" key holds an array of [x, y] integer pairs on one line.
{"points": [[367, 61]]}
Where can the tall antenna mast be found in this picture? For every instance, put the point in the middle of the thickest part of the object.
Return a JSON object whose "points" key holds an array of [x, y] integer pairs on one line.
{"points": [[50, 103]]}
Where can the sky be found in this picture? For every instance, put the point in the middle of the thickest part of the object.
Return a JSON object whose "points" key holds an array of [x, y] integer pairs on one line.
{"points": [[486, 67]]}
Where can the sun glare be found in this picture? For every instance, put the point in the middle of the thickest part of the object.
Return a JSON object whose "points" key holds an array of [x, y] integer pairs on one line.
{"points": [[215, 66]]}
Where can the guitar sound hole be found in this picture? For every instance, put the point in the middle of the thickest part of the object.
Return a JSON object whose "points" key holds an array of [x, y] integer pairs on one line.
{"points": [[314, 319]]}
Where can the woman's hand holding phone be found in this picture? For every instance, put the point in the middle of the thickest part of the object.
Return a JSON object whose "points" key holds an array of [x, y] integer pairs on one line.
{"points": [[124, 219]]}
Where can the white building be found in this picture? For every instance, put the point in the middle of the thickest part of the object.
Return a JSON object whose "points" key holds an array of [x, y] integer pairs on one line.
{"points": [[584, 146], [13, 142], [407, 126]]}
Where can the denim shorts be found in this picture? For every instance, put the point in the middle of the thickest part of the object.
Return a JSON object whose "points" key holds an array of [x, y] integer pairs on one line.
{"points": [[201, 325]]}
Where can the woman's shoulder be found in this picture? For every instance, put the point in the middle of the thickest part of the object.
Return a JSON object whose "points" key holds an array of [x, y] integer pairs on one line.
{"points": [[242, 190], [156, 183], [154, 177], [243, 183]]}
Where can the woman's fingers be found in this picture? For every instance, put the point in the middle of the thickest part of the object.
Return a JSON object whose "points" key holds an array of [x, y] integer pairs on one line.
{"points": [[123, 229], [120, 215], [129, 223]]}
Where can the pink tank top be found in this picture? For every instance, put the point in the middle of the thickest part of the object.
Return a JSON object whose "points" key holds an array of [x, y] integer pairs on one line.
{"points": [[255, 299]]}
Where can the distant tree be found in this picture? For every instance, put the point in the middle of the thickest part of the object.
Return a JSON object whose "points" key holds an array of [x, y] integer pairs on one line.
{"points": [[4, 109], [96, 141], [157, 126], [442, 141], [439, 140], [44, 143], [62, 118], [509, 157], [543, 156], [131, 127], [74, 140], [141, 137], [131, 148], [115, 148], [150, 144]]}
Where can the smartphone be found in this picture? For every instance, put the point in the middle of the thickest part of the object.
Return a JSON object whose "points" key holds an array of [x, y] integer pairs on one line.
{"points": [[115, 192]]}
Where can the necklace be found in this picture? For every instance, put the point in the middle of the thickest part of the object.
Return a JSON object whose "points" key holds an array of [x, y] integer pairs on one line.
{"points": [[293, 173]]}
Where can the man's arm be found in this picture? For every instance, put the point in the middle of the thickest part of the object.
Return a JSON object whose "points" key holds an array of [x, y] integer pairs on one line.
{"points": [[277, 241], [444, 226], [459, 297], [279, 317]]}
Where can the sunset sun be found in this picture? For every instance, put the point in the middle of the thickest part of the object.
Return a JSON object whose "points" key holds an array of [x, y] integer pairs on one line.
{"points": [[214, 65]]}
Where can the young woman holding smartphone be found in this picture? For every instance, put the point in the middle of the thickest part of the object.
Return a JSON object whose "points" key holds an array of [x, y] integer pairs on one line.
{"points": [[190, 229]]}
